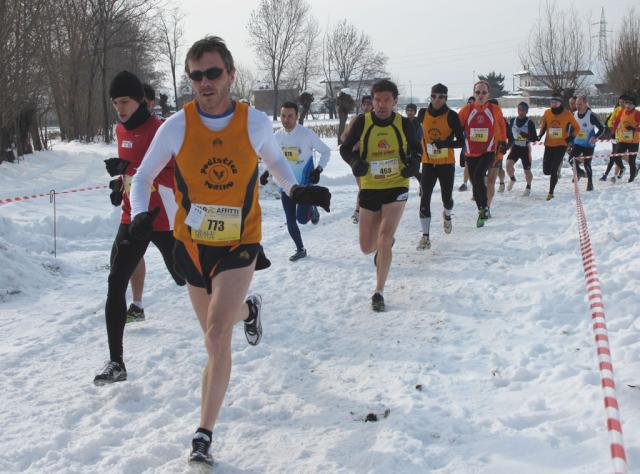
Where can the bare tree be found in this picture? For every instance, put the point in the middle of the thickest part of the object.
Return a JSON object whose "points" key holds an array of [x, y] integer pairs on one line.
{"points": [[275, 31], [559, 49], [623, 64], [244, 83], [327, 72], [306, 63], [171, 32]]}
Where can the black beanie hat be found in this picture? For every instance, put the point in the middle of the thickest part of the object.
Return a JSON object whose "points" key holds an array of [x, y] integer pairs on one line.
{"points": [[126, 84], [440, 89]]}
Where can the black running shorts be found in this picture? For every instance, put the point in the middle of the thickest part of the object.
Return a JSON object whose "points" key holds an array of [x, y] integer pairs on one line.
{"points": [[520, 152], [579, 150], [374, 199], [198, 263]]}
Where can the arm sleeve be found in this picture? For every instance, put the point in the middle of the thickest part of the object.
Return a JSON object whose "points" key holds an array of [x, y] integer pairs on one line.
{"points": [[510, 137], [353, 137], [575, 126], [502, 128], [533, 135], [158, 155], [595, 121], [276, 163], [454, 122], [543, 125], [321, 147], [414, 147]]}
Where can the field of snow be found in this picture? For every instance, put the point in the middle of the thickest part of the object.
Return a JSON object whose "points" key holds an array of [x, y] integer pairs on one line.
{"points": [[484, 361]]}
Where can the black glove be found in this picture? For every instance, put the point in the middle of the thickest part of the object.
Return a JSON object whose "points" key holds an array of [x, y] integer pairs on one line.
{"points": [[314, 176], [116, 187], [311, 195], [142, 225], [359, 167], [264, 177], [116, 166], [411, 168], [502, 147]]}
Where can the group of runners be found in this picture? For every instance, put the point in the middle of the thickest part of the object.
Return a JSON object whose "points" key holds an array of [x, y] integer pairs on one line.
{"points": [[191, 184]]}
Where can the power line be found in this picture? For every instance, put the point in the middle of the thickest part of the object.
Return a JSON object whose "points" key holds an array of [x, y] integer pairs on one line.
{"points": [[602, 37]]}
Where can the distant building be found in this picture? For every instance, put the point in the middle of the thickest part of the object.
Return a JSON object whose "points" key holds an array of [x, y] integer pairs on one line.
{"points": [[532, 84], [263, 99], [359, 87]]}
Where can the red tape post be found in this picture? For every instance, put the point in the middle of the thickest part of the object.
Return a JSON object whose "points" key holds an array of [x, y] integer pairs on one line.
{"points": [[596, 305], [35, 196]]}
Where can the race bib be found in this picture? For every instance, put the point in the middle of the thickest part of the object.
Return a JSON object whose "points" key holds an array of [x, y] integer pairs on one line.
{"points": [[213, 223], [626, 135], [385, 168], [582, 135], [437, 153], [520, 143], [291, 153], [555, 133], [479, 135]]}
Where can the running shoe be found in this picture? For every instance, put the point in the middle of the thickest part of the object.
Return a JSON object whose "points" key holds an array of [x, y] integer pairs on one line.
{"points": [[298, 255], [463, 187], [253, 323], [487, 213], [355, 217], [590, 186], [603, 177], [501, 188], [527, 192], [512, 181], [135, 314], [377, 302], [549, 196], [482, 218], [110, 373], [424, 243], [315, 215], [200, 445], [446, 222]]}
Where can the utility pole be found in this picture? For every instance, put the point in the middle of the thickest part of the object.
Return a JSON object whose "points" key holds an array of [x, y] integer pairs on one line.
{"points": [[410, 92], [602, 37]]}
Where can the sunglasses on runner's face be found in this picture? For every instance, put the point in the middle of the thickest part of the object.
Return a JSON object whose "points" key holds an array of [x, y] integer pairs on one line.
{"points": [[211, 74], [481, 92], [438, 96]]}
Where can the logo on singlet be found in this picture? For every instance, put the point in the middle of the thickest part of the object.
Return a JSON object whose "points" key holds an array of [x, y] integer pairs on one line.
{"points": [[126, 144], [383, 144], [219, 172], [217, 142], [434, 134], [480, 119]]}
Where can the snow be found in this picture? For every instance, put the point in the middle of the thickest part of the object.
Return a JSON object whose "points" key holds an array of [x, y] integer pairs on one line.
{"points": [[491, 323]]}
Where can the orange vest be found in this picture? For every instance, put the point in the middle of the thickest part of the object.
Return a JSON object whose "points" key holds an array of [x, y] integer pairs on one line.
{"points": [[557, 127], [217, 174], [434, 129], [624, 119]]}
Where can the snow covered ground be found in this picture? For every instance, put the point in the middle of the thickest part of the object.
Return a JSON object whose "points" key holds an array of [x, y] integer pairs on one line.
{"points": [[484, 360]]}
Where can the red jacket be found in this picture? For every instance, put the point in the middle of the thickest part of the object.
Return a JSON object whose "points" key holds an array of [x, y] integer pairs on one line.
{"points": [[132, 146]]}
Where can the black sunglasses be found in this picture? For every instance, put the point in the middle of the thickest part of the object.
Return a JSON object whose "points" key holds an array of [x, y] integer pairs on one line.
{"points": [[438, 96], [481, 92], [211, 74]]}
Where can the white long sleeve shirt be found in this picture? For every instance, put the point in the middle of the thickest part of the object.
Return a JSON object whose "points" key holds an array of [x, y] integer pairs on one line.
{"points": [[168, 141], [297, 146]]}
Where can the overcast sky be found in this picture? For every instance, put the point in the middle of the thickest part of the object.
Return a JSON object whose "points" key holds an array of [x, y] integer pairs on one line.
{"points": [[426, 41]]}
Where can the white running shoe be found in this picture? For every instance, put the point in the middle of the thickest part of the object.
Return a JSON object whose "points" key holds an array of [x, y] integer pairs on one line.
{"points": [[446, 223], [526, 192], [510, 185], [253, 324], [424, 243], [501, 188]]}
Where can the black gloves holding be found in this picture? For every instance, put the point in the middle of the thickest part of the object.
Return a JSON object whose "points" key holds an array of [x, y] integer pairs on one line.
{"points": [[142, 225], [116, 166], [314, 176], [311, 195], [359, 167], [117, 188], [264, 177], [411, 168]]}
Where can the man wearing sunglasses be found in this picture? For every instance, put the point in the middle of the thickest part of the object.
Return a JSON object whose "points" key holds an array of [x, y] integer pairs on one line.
{"points": [[560, 128], [388, 155], [521, 132], [485, 134], [463, 161], [441, 132], [216, 143], [366, 106]]}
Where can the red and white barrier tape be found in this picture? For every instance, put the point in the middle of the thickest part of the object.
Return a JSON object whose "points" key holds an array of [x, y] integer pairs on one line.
{"points": [[35, 196], [596, 305]]}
